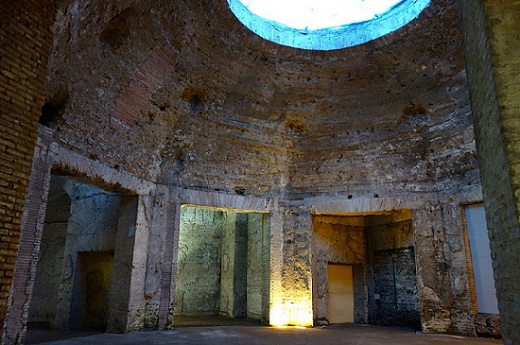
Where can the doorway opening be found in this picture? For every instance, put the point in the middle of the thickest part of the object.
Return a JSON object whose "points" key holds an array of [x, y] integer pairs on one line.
{"points": [[364, 269], [82, 276], [90, 298], [222, 268]]}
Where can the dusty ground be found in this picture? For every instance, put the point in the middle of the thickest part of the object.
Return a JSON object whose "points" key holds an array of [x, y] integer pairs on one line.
{"points": [[244, 334]]}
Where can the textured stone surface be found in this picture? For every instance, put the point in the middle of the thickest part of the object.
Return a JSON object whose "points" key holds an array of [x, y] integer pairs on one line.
{"points": [[222, 266], [199, 264], [258, 263], [178, 103], [273, 132], [92, 227], [89, 225], [90, 303], [488, 325], [395, 285], [50, 259], [391, 251]]}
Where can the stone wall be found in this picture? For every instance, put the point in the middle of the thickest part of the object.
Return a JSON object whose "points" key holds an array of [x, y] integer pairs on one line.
{"points": [[25, 40], [395, 301], [407, 157], [491, 42], [42, 312], [91, 295], [258, 264], [126, 303], [180, 127], [199, 262], [223, 264], [393, 289], [233, 280], [488, 325], [295, 253], [159, 289], [420, 142], [275, 109], [89, 228], [381, 250]]}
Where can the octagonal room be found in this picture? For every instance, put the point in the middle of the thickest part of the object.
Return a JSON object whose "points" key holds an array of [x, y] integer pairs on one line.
{"points": [[172, 161]]}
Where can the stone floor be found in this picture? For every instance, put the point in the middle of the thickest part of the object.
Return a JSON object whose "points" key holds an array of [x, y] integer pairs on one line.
{"points": [[246, 334]]}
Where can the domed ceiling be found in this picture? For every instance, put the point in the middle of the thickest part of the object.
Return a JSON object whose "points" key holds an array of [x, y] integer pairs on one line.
{"points": [[172, 90]]}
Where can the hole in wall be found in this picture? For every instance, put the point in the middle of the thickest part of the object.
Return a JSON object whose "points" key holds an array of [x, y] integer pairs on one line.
{"points": [[240, 190], [194, 97], [52, 111], [118, 28], [296, 126], [413, 109]]}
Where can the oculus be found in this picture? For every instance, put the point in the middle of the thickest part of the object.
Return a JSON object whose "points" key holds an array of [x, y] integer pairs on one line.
{"points": [[325, 24]]}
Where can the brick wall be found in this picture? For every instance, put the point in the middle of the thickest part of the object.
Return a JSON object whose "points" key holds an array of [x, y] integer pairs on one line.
{"points": [[25, 40], [491, 37]]}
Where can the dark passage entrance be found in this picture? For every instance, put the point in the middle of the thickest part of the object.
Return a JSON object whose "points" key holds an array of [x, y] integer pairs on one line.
{"points": [[84, 265], [395, 288], [91, 290]]}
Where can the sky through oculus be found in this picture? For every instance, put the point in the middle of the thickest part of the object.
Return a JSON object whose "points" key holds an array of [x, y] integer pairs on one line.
{"points": [[325, 24], [318, 14]]}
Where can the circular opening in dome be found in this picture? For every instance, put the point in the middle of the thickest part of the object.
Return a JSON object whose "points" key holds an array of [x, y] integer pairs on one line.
{"points": [[325, 24]]}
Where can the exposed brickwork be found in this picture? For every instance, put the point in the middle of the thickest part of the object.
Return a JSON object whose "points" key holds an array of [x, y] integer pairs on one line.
{"points": [[491, 36], [30, 236], [147, 80], [25, 40]]}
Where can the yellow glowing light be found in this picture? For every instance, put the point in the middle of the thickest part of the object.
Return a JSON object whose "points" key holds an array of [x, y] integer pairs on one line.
{"points": [[292, 313]]}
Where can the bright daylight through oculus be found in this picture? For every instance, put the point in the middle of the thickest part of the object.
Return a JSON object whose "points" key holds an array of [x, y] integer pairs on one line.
{"points": [[325, 24], [321, 14]]}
